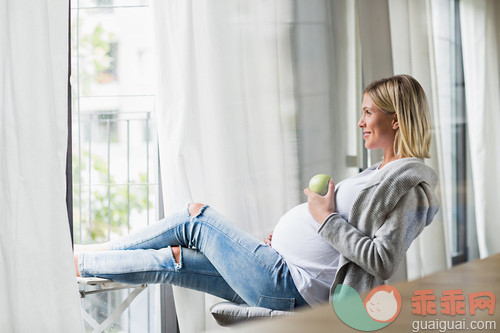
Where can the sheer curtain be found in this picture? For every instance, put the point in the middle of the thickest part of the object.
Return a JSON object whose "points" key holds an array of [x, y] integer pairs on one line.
{"points": [[396, 37], [38, 289], [413, 52], [422, 45], [251, 104], [226, 117], [480, 29]]}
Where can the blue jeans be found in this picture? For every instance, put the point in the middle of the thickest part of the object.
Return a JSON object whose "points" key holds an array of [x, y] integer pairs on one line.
{"points": [[216, 258]]}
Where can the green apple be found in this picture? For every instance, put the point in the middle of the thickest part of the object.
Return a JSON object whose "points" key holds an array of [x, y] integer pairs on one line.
{"points": [[319, 183]]}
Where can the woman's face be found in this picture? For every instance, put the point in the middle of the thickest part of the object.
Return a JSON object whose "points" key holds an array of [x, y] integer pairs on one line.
{"points": [[379, 128]]}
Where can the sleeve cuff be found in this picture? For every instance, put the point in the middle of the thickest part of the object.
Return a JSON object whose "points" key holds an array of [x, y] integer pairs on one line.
{"points": [[328, 218]]}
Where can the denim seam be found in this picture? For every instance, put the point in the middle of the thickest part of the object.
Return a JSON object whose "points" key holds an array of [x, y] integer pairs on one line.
{"points": [[286, 299], [158, 270]]}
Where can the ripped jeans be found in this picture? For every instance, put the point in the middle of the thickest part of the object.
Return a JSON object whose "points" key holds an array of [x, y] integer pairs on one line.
{"points": [[215, 257]]}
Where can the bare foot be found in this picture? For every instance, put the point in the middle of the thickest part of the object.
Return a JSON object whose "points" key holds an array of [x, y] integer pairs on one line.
{"points": [[75, 259]]}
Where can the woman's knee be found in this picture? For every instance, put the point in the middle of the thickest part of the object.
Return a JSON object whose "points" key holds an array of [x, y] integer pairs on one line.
{"points": [[176, 251], [195, 208]]}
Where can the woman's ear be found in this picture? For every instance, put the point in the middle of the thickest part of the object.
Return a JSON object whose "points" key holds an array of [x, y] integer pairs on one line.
{"points": [[395, 123]]}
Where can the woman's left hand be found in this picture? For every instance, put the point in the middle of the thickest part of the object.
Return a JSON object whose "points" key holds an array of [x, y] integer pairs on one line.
{"points": [[321, 206]]}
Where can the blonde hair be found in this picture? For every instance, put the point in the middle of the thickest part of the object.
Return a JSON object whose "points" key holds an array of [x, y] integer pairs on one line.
{"points": [[404, 96]]}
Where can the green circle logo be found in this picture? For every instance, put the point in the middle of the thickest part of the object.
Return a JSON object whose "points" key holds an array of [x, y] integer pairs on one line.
{"points": [[380, 308]]}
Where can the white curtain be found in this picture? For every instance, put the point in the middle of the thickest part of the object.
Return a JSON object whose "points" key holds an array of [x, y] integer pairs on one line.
{"points": [[251, 104], [396, 37], [226, 117], [38, 292], [480, 30], [413, 52]]}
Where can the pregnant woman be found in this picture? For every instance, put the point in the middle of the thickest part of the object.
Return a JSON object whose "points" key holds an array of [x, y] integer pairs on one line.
{"points": [[355, 235]]}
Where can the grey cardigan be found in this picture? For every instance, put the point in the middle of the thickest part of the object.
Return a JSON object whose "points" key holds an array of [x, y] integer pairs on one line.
{"points": [[388, 214]]}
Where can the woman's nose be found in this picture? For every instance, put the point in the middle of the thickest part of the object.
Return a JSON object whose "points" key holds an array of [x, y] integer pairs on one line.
{"points": [[361, 122]]}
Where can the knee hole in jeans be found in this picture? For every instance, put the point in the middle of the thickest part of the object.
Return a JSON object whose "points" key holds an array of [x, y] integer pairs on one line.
{"points": [[195, 208], [176, 252]]}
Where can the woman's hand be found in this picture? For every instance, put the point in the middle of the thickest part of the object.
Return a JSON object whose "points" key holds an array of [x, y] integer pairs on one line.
{"points": [[321, 206]]}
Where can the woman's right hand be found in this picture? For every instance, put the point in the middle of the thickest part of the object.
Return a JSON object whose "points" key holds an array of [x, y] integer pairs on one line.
{"points": [[321, 206]]}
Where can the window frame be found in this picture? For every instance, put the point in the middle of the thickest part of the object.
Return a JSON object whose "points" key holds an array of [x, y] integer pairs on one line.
{"points": [[168, 318], [461, 254], [69, 152]]}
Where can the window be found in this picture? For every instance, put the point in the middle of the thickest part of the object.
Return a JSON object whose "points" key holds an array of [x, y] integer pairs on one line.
{"points": [[114, 145], [453, 123], [459, 225]]}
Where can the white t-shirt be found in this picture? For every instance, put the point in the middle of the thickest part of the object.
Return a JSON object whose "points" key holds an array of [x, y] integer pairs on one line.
{"points": [[348, 190], [312, 261]]}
